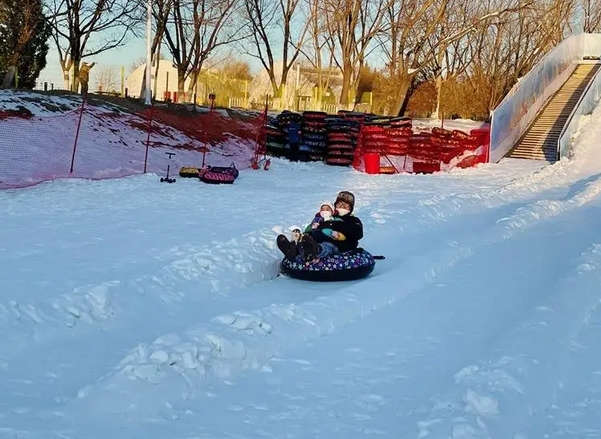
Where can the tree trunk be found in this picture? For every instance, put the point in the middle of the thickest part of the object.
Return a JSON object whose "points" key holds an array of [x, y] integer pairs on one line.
{"points": [[278, 97], [279, 94], [345, 98], [75, 83], [143, 83], [66, 79], [181, 86], [65, 68], [438, 82], [9, 77], [318, 95], [192, 87], [403, 85]]}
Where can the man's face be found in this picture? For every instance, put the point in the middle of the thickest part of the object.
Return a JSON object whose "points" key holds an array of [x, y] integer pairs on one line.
{"points": [[343, 205]]}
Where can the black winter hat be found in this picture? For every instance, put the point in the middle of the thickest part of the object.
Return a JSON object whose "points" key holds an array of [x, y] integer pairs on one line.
{"points": [[347, 197]]}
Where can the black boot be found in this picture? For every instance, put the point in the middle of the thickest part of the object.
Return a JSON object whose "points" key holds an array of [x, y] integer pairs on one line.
{"points": [[288, 248], [309, 246]]}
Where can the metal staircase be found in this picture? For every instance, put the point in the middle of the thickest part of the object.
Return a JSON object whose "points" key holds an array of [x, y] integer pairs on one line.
{"points": [[539, 142]]}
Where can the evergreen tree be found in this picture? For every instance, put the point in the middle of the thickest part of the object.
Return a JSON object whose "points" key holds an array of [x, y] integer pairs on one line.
{"points": [[24, 34]]}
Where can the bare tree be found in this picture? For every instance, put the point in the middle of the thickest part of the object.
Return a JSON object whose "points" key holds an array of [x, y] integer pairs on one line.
{"points": [[196, 29], [107, 79], [75, 22], [504, 52], [592, 15], [412, 23], [233, 68], [319, 52], [554, 18], [354, 25], [272, 24], [487, 73], [451, 59]]}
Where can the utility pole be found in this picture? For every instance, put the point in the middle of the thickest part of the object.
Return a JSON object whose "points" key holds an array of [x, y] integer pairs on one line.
{"points": [[148, 52]]}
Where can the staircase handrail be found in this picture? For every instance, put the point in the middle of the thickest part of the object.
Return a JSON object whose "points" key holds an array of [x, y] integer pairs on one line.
{"points": [[587, 102]]}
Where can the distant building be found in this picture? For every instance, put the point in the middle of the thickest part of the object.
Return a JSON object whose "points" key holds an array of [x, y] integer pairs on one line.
{"points": [[301, 91], [229, 91], [166, 81]]}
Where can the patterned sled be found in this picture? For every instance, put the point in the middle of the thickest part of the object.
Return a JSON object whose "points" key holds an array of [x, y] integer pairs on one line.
{"points": [[218, 174], [351, 265]]}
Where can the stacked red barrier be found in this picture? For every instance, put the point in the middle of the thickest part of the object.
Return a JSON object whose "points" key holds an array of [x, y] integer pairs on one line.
{"points": [[431, 151], [352, 115], [398, 141], [341, 146], [454, 144], [374, 139], [390, 138], [399, 134], [423, 150], [342, 135]]}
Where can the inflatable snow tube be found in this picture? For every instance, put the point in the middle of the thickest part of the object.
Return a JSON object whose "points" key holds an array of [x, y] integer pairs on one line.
{"points": [[352, 265], [218, 174], [188, 172]]}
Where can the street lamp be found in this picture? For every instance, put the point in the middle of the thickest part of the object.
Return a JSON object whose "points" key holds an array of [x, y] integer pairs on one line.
{"points": [[148, 51]]}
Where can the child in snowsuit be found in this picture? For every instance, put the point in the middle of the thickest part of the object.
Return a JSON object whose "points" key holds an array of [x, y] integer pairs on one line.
{"points": [[326, 212]]}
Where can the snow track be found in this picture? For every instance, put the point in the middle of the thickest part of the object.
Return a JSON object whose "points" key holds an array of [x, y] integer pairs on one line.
{"points": [[240, 341], [428, 341]]}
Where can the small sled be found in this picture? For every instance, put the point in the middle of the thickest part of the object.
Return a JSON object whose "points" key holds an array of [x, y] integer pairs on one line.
{"points": [[189, 172]]}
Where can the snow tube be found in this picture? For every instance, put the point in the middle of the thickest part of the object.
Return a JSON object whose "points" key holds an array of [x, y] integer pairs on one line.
{"points": [[218, 174], [188, 172], [351, 265]]}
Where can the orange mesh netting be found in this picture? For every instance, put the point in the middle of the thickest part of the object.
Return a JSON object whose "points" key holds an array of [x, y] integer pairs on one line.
{"points": [[106, 142]]}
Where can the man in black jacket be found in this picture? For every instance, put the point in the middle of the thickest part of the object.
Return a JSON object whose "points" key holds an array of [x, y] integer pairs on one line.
{"points": [[341, 233]]}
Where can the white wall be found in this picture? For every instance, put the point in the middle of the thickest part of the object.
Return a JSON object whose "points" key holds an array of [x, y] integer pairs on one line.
{"points": [[135, 79]]}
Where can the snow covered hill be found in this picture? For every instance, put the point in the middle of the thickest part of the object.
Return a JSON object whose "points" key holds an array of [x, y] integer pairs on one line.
{"points": [[134, 309], [42, 143]]}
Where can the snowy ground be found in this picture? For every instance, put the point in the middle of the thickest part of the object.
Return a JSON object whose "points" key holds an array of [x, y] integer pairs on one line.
{"points": [[134, 309]]}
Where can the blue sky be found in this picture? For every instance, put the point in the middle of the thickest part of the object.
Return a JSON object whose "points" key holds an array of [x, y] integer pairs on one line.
{"points": [[115, 58]]}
